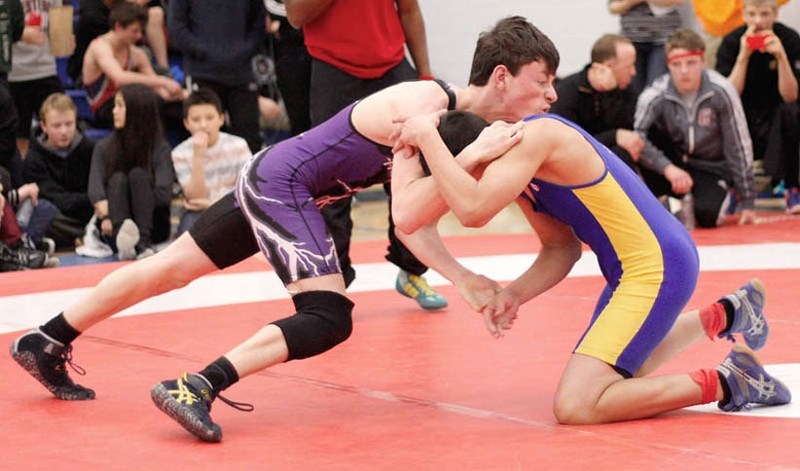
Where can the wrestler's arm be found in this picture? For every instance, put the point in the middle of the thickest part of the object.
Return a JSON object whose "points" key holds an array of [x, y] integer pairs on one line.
{"points": [[560, 250], [475, 201]]}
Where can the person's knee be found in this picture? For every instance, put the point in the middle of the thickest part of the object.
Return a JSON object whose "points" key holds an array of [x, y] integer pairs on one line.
{"points": [[568, 410], [118, 178], [323, 320], [707, 217], [138, 174]]}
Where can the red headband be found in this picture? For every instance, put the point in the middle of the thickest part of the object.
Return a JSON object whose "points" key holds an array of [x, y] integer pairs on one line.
{"points": [[674, 57]]}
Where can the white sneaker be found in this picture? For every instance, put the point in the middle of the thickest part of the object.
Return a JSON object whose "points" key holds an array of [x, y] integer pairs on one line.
{"points": [[127, 238]]}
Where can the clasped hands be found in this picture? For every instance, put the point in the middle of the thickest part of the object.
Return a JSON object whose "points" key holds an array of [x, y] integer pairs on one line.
{"points": [[497, 305], [492, 142]]}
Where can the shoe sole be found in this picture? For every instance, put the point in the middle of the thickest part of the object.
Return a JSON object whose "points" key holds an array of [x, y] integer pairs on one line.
{"points": [[179, 413], [28, 362], [127, 238]]}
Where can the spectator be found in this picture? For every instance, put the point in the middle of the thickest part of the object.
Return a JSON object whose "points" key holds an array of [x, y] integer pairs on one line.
{"points": [[599, 97], [16, 248], [762, 61], [59, 161], [93, 22], [11, 28], [218, 50], [34, 75], [695, 119], [647, 23], [131, 175], [112, 60], [347, 67], [208, 163]]}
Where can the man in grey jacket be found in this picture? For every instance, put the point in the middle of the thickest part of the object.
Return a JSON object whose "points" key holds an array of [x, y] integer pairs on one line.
{"points": [[694, 117]]}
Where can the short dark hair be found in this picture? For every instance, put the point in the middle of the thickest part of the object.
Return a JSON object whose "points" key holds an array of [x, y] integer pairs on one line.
{"points": [[605, 47], [202, 96], [685, 39], [458, 129], [513, 42], [126, 13]]}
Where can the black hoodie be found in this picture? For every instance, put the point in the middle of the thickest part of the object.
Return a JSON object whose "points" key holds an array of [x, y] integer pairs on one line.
{"points": [[62, 180]]}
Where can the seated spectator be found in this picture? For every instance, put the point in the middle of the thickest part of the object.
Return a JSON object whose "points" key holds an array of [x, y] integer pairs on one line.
{"points": [[131, 175], [16, 247], [113, 60], [208, 163], [93, 22], [34, 75], [600, 100], [762, 61], [694, 117], [58, 161]]}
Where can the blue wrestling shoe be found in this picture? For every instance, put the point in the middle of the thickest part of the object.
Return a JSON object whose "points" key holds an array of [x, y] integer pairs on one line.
{"points": [[749, 382], [748, 315], [187, 400], [417, 288]]}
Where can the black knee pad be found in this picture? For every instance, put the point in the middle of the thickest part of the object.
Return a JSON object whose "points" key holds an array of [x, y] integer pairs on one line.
{"points": [[323, 320]]}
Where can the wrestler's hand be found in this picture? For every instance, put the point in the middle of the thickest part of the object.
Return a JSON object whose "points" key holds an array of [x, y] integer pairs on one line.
{"points": [[412, 128], [500, 313], [477, 290], [495, 140]]}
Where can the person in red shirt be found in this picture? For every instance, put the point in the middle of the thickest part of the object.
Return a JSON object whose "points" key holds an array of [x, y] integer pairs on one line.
{"points": [[346, 67]]}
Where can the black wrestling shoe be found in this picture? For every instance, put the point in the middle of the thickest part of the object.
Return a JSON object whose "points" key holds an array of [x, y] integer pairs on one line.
{"points": [[188, 401], [46, 359]]}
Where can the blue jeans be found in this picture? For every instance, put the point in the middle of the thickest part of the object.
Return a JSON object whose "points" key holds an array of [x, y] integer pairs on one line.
{"points": [[35, 220]]}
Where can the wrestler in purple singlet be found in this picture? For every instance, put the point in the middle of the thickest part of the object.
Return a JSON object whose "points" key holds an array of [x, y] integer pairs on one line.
{"points": [[282, 188]]}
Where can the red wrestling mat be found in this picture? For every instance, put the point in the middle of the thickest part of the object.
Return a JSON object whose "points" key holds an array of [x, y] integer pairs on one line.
{"points": [[409, 390]]}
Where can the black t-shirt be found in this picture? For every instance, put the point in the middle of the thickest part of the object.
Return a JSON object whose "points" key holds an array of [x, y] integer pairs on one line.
{"points": [[761, 83]]}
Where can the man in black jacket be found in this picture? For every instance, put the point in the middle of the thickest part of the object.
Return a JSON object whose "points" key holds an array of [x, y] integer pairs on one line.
{"points": [[599, 99]]}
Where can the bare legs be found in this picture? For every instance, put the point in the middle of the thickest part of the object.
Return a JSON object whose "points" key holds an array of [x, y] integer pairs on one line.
{"points": [[174, 267], [592, 392]]}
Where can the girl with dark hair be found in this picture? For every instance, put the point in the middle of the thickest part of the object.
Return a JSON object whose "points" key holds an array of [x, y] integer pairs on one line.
{"points": [[131, 175]]}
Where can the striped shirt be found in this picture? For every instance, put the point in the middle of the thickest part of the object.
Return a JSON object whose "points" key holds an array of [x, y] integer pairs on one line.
{"points": [[223, 162]]}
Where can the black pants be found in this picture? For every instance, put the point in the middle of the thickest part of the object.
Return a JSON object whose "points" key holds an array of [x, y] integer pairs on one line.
{"points": [[131, 196], [709, 192], [241, 104], [293, 74], [332, 90], [775, 140]]}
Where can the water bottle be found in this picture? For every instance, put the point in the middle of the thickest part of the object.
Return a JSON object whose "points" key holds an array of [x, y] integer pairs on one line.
{"points": [[687, 211]]}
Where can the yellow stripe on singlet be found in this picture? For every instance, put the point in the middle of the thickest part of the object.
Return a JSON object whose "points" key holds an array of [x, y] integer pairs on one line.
{"points": [[634, 244]]}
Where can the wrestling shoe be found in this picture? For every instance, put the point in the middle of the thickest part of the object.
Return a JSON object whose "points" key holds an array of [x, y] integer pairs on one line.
{"points": [[417, 288], [46, 359], [748, 315], [187, 400], [793, 201], [749, 382]]}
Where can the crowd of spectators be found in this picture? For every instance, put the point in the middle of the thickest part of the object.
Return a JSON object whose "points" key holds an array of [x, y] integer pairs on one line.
{"points": [[85, 162]]}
